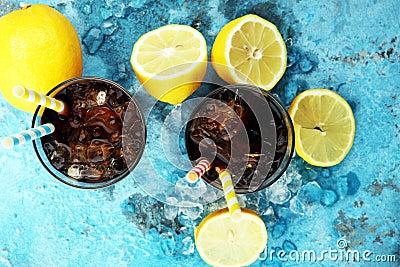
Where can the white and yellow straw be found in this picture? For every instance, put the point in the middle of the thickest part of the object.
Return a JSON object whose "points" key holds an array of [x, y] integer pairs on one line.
{"points": [[201, 167], [39, 99], [230, 196], [27, 135]]}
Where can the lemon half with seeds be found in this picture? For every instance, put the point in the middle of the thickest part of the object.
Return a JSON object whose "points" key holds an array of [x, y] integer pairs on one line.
{"points": [[222, 242], [250, 50], [324, 126], [170, 62]]}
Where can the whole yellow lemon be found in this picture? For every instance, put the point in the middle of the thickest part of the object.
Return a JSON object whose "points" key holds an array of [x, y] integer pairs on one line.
{"points": [[39, 48]]}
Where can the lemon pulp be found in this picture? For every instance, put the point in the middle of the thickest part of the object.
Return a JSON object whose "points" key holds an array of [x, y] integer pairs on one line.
{"points": [[324, 126], [251, 50], [222, 242], [170, 62]]}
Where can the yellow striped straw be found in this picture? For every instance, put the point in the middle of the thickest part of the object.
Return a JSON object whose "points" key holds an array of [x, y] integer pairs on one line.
{"points": [[230, 196], [39, 99]]}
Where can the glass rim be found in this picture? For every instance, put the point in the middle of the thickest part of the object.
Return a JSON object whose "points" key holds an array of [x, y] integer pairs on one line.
{"points": [[73, 182], [268, 181]]}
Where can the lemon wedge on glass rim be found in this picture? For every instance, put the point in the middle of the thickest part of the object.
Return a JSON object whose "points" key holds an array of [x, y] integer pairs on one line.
{"points": [[170, 62], [221, 241], [250, 50], [324, 127]]}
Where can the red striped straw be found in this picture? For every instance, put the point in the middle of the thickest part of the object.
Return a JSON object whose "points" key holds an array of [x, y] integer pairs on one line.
{"points": [[201, 167]]}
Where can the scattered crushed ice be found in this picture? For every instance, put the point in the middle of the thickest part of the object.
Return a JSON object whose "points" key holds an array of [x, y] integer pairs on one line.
{"points": [[167, 243], [269, 217], [109, 26], [190, 209], [309, 198], [278, 193], [303, 187], [329, 198], [296, 206], [170, 208], [105, 12], [93, 39], [188, 246]]}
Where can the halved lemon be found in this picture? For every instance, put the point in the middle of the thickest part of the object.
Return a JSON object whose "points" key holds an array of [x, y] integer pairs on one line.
{"points": [[251, 50], [222, 242], [324, 126], [170, 62]]}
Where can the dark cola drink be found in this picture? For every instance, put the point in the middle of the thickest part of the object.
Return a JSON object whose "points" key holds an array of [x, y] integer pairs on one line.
{"points": [[244, 130], [87, 143]]}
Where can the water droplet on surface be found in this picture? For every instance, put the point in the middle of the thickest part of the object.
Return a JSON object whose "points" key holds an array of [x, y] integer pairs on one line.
{"points": [[288, 246], [353, 183], [292, 56], [279, 229]]}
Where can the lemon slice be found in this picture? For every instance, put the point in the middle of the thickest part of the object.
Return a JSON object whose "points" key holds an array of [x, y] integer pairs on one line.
{"points": [[324, 127], [222, 242], [170, 62], [251, 50]]}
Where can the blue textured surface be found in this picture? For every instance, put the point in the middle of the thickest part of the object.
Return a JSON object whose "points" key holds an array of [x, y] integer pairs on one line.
{"points": [[350, 47]]}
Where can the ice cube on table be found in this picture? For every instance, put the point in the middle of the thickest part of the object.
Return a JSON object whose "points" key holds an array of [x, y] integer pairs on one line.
{"points": [[109, 26], [170, 138], [296, 206], [93, 39], [269, 216], [167, 243], [329, 197], [187, 246], [309, 197], [278, 193], [170, 208]]}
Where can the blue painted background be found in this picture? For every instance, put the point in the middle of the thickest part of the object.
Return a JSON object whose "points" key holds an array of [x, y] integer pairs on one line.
{"points": [[349, 46]]}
